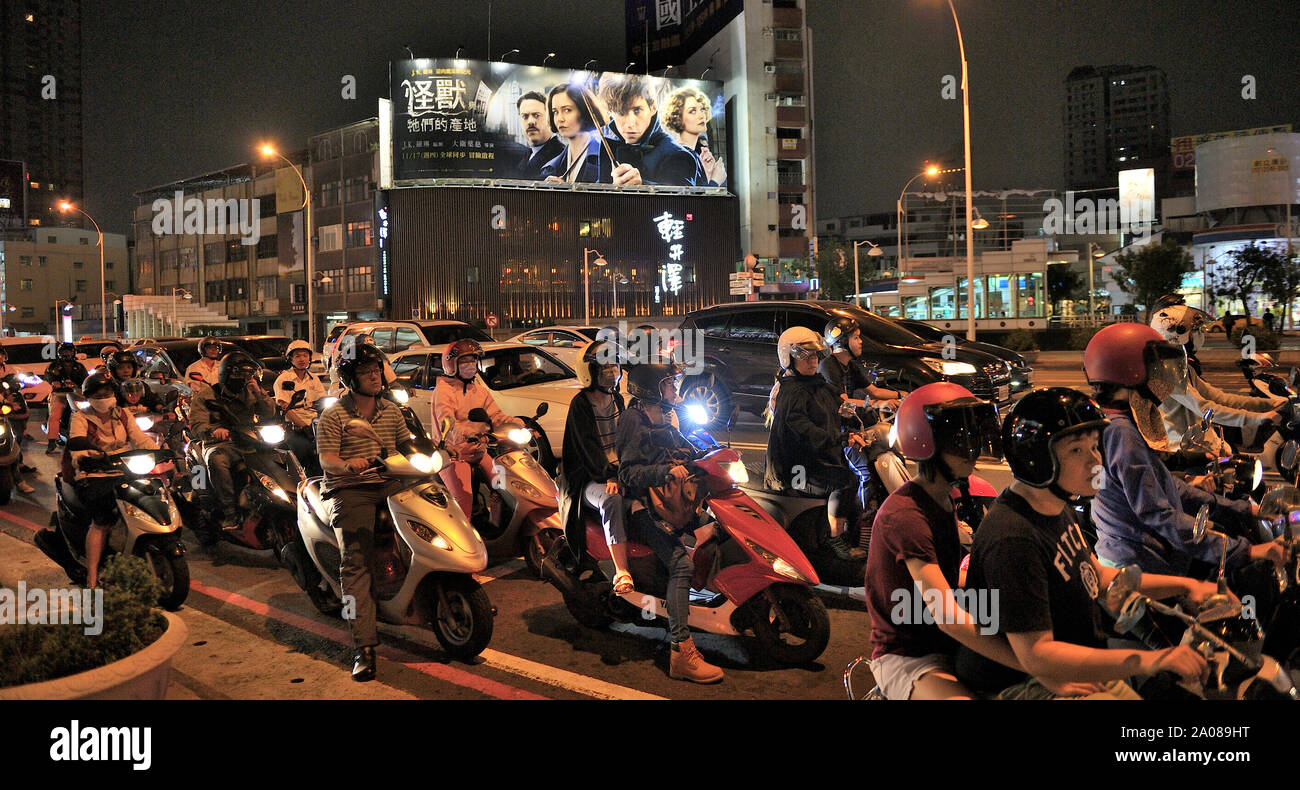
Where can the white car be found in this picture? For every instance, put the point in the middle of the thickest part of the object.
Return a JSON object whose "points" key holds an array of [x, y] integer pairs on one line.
{"points": [[565, 343], [28, 357]]}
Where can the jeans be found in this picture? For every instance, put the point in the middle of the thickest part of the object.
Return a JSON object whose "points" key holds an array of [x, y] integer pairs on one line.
{"points": [[221, 460], [611, 511], [670, 550]]}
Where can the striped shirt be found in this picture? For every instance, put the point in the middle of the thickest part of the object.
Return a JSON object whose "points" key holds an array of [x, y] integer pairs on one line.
{"points": [[332, 438], [607, 429]]}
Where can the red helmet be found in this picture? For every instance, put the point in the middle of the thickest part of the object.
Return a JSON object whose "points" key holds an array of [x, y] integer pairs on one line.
{"points": [[946, 416], [452, 354], [1134, 355]]}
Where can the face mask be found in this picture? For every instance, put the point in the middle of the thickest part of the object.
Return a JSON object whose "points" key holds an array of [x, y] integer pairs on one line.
{"points": [[102, 405], [467, 370]]}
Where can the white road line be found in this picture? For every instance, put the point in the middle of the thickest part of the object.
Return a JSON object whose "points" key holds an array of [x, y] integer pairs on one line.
{"points": [[560, 678]]}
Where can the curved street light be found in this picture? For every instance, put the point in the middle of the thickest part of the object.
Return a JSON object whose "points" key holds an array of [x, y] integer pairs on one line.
{"points": [[874, 252], [65, 207], [549, 55], [586, 281], [269, 151]]}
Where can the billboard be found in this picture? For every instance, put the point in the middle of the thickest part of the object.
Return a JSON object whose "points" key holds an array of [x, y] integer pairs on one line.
{"points": [[1183, 149], [670, 31], [467, 119], [1137, 196]]}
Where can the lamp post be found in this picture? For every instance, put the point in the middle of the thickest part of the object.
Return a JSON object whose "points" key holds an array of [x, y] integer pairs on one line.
{"points": [[549, 55], [269, 151], [65, 207], [930, 171], [586, 282], [1093, 255], [175, 323], [970, 240], [508, 54], [874, 252], [67, 312]]}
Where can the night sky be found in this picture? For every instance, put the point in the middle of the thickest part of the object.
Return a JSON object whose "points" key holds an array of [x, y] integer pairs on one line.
{"points": [[176, 89]]}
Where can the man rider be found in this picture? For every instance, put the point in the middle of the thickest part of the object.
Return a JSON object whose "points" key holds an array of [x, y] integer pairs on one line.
{"points": [[64, 375], [106, 353], [1033, 563], [355, 490], [241, 395], [297, 378], [845, 370], [205, 368], [123, 368]]}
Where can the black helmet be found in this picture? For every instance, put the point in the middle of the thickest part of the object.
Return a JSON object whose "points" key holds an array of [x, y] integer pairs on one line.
{"points": [[134, 387], [364, 354], [596, 356], [643, 381], [1168, 300], [123, 358], [106, 354], [98, 381], [236, 369], [204, 342], [68, 347], [1039, 420], [838, 332]]}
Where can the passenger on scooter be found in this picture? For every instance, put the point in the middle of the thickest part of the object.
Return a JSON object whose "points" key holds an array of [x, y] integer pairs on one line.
{"points": [[134, 392], [206, 368], [589, 465], [11, 395], [1031, 563], [456, 394], [239, 392], [846, 371], [94, 432], [1142, 512], [125, 368], [106, 353], [300, 418], [64, 375], [805, 447], [356, 489], [651, 453]]}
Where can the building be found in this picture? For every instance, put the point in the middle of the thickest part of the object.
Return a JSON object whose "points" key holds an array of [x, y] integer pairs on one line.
{"points": [[1115, 118], [40, 111], [49, 264]]}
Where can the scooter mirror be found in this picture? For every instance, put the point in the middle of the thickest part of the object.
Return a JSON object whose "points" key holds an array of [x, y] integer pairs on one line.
{"points": [[542, 408], [733, 417], [1202, 523], [1289, 452], [359, 427], [479, 415], [1218, 607], [1130, 612], [1125, 583]]}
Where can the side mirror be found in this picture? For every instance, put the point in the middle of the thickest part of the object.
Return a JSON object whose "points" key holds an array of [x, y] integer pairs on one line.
{"points": [[297, 398], [1130, 612], [1125, 583], [1202, 523], [1218, 607], [1290, 451], [542, 409]]}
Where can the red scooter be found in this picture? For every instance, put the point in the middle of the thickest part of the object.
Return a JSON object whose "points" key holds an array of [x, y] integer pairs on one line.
{"points": [[763, 582]]}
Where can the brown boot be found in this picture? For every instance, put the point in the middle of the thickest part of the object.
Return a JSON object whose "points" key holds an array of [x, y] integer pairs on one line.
{"points": [[686, 663]]}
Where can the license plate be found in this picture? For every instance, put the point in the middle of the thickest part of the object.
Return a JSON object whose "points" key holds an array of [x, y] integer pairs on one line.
{"points": [[1004, 392]]}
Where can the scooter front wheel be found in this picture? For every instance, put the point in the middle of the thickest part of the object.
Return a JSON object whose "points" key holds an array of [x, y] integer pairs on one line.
{"points": [[791, 624], [462, 619], [174, 574]]}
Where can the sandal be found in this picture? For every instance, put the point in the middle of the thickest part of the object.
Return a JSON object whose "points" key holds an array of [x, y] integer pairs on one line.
{"points": [[623, 583]]}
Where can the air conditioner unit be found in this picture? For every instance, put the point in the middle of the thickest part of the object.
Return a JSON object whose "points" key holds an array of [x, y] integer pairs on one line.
{"points": [[771, 196], [770, 68], [771, 163], [767, 32], [771, 130], [770, 97]]}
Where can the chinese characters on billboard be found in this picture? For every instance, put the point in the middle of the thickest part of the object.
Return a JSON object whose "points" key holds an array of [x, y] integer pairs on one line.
{"points": [[471, 119]]}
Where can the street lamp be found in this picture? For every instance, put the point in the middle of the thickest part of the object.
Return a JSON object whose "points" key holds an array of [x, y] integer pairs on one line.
{"points": [[617, 277], [269, 151], [175, 323], [1093, 255], [874, 252], [586, 282], [508, 54], [68, 304], [588, 63], [549, 55], [65, 207], [970, 240], [929, 172]]}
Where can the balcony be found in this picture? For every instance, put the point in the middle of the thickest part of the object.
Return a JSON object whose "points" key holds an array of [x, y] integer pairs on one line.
{"points": [[793, 246], [787, 18], [787, 50], [791, 116], [788, 148], [789, 83], [790, 182]]}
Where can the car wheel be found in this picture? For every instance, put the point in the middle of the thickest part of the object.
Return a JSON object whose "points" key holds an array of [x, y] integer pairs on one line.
{"points": [[710, 393]]}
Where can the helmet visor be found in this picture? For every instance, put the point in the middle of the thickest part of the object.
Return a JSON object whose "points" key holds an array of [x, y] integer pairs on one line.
{"points": [[968, 428], [808, 348], [1166, 369]]}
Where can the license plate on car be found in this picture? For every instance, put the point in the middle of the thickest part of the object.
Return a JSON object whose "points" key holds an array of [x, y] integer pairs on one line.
{"points": [[1004, 392]]}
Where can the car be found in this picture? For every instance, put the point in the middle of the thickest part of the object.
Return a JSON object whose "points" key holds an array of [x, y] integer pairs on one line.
{"points": [[565, 343], [29, 357], [149, 341], [1255, 321], [737, 362], [393, 336], [552, 382], [1022, 375], [163, 365]]}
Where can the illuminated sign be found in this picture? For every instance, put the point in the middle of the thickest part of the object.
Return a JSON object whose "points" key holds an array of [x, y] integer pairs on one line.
{"points": [[673, 232], [382, 213]]}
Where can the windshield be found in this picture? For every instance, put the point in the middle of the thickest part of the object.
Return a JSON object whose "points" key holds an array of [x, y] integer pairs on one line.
{"points": [[508, 368], [442, 334], [94, 349], [26, 353], [876, 328], [593, 334]]}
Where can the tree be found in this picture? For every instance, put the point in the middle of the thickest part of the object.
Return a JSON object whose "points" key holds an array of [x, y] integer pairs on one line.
{"points": [[834, 265], [1152, 271], [1243, 272], [1279, 276], [1063, 283]]}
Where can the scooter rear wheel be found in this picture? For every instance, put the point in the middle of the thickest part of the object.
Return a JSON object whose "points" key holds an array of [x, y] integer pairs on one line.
{"points": [[464, 625], [791, 624]]}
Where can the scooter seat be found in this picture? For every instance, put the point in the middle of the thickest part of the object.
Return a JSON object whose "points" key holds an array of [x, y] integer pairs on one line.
{"points": [[311, 493], [597, 546]]}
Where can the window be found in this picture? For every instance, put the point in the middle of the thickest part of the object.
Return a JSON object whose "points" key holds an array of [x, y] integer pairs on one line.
{"points": [[361, 278], [713, 325], [266, 247], [942, 304], [266, 205], [25, 260], [81, 286], [410, 370], [537, 339], [108, 264], [29, 312], [331, 238], [355, 188], [237, 288], [25, 285], [146, 267], [108, 285], [602, 228], [267, 287], [471, 274], [236, 251], [963, 298], [383, 339], [52, 239], [999, 296], [215, 291], [188, 258], [406, 337], [83, 241], [335, 284], [41, 261], [1029, 295], [214, 252], [755, 325], [78, 265], [360, 234], [167, 259]]}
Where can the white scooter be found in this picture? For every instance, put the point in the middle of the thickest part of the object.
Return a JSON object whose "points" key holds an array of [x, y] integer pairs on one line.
{"points": [[425, 555]]}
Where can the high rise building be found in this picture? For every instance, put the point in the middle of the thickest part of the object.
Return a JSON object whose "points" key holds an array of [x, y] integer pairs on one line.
{"points": [[40, 105], [1116, 118]]}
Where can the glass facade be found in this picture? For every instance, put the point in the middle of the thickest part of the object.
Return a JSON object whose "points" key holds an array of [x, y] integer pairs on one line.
{"points": [[1000, 304], [963, 295], [1029, 295]]}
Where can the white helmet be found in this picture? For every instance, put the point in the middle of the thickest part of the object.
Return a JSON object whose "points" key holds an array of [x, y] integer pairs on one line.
{"points": [[1181, 325], [799, 342], [297, 345]]}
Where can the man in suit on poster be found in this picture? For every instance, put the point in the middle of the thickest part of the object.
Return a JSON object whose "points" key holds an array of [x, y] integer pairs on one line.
{"points": [[543, 144]]}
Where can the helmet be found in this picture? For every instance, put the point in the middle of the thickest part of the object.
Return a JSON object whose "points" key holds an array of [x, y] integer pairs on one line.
{"points": [[297, 345], [596, 356], [461, 348], [123, 358], [839, 331], [1137, 356], [643, 381], [1180, 324], [68, 347], [798, 342], [106, 354], [236, 369], [134, 387], [1037, 421], [207, 341], [1168, 300], [349, 365], [946, 417], [98, 381]]}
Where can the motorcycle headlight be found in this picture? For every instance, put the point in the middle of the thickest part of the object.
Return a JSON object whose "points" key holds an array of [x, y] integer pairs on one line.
{"points": [[82, 405], [737, 472], [1257, 476], [271, 434], [423, 462], [697, 414], [144, 423], [520, 435], [948, 368], [4, 428], [271, 486], [401, 396], [139, 464], [325, 403], [428, 534], [779, 565], [526, 489]]}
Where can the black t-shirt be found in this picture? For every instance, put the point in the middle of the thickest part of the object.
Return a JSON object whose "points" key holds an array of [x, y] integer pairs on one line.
{"points": [[849, 379], [1041, 568]]}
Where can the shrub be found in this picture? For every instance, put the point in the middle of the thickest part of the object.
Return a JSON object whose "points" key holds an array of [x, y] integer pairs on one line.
{"points": [[1264, 339], [1021, 340], [1080, 337], [36, 653]]}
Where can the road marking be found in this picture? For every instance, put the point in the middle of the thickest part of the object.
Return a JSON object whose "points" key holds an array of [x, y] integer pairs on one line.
{"points": [[20, 521], [560, 678], [504, 569], [749, 445], [856, 593]]}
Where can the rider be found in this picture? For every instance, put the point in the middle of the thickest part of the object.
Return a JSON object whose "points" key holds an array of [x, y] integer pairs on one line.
{"points": [[590, 461], [1141, 513], [805, 446], [205, 368], [12, 396], [106, 353], [649, 453], [455, 395], [845, 369], [301, 417], [356, 489], [134, 392], [1032, 562], [64, 374], [124, 368], [95, 431], [240, 394]]}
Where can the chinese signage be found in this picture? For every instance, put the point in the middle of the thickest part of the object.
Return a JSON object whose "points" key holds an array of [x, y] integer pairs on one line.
{"points": [[673, 232], [669, 31], [1276, 164], [506, 121], [1183, 149]]}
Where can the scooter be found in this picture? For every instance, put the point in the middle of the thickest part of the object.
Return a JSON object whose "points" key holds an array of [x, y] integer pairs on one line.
{"points": [[148, 524], [763, 581], [425, 555]]}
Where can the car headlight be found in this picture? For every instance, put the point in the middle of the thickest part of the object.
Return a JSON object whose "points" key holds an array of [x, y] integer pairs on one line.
{"points": [[144, 423], [271, 434], [697, 414], [401, 396], [527, 489], [520, 435], [779, 565], [139, 464], [423, 462], [737, 472], [29, 380], [948, 368], [428, 534]]}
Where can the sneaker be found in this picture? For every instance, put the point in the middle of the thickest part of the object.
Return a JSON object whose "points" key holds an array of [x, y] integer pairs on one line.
{"points": [[231, 525], [363, 664], [843, 551], [686, 663]]}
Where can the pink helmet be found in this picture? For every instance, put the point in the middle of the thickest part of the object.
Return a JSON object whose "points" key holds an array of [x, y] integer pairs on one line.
{"points": [[967, 425]]}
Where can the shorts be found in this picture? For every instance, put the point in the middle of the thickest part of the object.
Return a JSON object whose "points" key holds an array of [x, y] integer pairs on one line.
{"points": [[896, 674]]}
